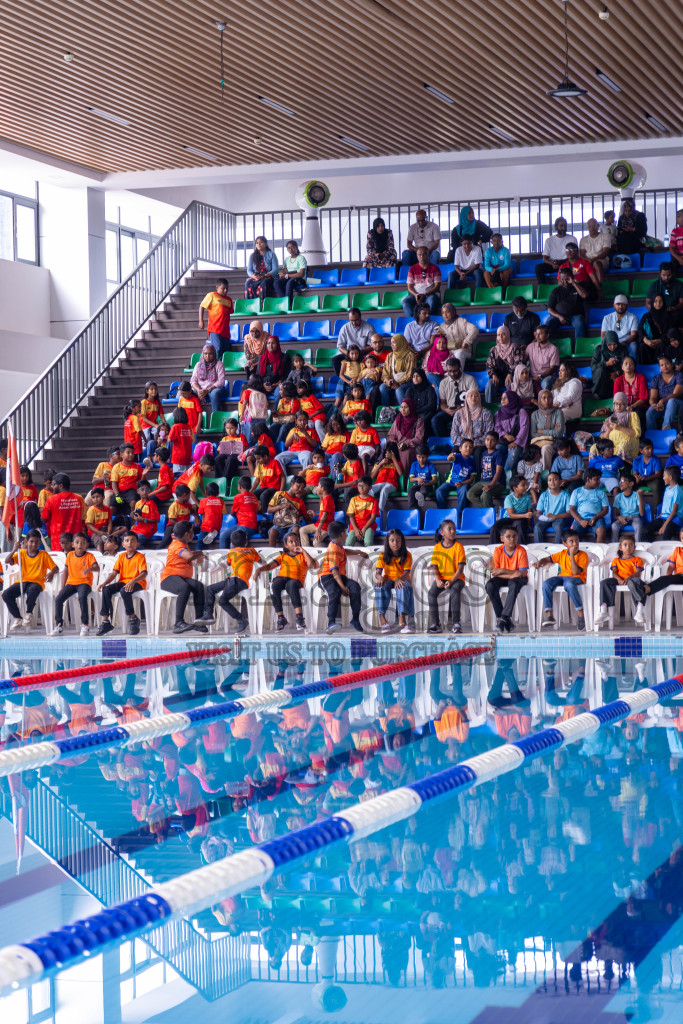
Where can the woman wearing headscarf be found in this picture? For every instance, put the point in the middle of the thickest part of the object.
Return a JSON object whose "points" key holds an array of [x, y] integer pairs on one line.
{"points": [[254, 346], [606, 364], [512, 423], [471, 420], [423, 397], [273, 367], [546, 426], [623, 429], [459, 332], [568, 392], [672, 347], [523, 386], [631, 229], [434, 364], [652, 332], [379, 246], [261, 270], [501, 362], [397, 371], [468, 227], [407, 431]]}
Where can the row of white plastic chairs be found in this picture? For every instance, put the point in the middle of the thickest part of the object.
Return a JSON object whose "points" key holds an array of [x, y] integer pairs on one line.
{"points": [[477, 614]]}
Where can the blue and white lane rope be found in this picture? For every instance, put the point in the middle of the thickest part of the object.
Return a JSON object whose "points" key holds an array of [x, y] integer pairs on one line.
{"points": [[17, 759], [30, 961]]}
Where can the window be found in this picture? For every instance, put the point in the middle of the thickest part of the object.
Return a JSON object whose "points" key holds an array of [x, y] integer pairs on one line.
{"points": [[125, 247], [18, 228]]}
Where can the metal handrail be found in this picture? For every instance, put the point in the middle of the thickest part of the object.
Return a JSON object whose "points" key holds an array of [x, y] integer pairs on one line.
{"points": [[201, 232]]}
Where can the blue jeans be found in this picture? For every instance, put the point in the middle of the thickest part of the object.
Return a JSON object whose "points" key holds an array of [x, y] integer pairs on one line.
{"points": [[443, 491], [492, 391], [570, 583], [410, 302], [217, 397], [219, 342], [390, 397], [578, 326], [405, 603], [476, 275], [558, 527], [409, 258], [513, 456], [284, 458], [655, 419], [225, 538], [200, 538], [434, 379]]}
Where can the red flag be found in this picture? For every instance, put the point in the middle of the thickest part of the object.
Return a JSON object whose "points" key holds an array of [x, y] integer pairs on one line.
{"points": [[12, 478]]}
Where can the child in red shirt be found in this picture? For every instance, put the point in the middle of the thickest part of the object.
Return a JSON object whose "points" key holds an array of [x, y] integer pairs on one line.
{"points": [[188, 401], [312, 406], [164, 488], [181, 438], [350, 472], [260, 436], [245, 509], [211, 509], [316, 533], [145, 515], [314, 473], [269, 476], [300, 442], [132, 428]]}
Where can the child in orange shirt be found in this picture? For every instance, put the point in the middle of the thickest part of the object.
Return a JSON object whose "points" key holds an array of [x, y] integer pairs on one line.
{"points": [[77, 577], [314, 473], [293, 565], [626, 568], [98, 519], [188, 401], [37, 569], [448, 565], [150, 412], [145, 514], [132, 429], [180, 511], [131, 569], [509, 568], [240, 561], [316, 533]]}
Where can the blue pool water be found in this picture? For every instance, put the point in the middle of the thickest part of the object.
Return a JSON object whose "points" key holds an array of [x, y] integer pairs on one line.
{"points": [[551, 894]]}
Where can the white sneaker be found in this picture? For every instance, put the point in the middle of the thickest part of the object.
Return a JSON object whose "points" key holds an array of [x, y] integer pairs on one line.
{"points": [[57, 631], [85, 630], [639, 616], [15, 624], [27, 620], [602, 619], [408, 628], [211, 536], [420, 499]]}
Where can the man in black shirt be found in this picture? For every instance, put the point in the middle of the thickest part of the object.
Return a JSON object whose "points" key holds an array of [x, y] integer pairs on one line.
{"points": [[671, 291], [521, 322], [567, 305]]}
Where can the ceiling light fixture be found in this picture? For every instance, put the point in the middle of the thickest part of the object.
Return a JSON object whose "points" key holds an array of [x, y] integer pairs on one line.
{"points": [[68, 57], [275, 105], [603, 15], [352, 142], [501, 131], [607, 80], [201, 153], [109, 117], [221, 26], [656, 123], [439, 95], [566, 87]]}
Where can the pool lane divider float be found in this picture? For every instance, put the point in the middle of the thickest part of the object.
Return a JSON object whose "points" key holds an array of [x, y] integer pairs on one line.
{"points": [[17, 759], [64, 947]]}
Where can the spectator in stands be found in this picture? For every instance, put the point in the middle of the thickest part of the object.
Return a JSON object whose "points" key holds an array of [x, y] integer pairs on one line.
{"points": [[652, 331], [554, 252], [254, 346], [386, 474], [523, 386], [423, 284], [451, 387], [468, 227], [623, 429], [422, 233], [567, 305], [606, 365], [177, 578], [269, 476], [631, 229], [407, 431], [435, 361], [667, 524], [609, 226], [573, 572], [64, 512], [543, 358], [666, 397], [509, 569], [448, 567], [349, 373], [460, 477], [671, 291], [397, 370], [335, 582], [521, 322], [393, 572], [274, 366], [468, 260], [552, 510], [596, 247], [500, 364], [497, 263], [355, 332], [460, 333], [419, 333], [512, 424], [472, 420], [568, 464], [676, 245], [582, 271], [208, 379], [379, 246], [292, 274], [299, 443], [568, 392], [262, 270], [623, 323], [633, 385], [219, 307], [588, 507], [423, 396]]}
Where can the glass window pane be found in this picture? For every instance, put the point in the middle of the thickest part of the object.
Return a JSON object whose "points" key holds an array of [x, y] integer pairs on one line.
{"points": [[127, 254], [6, 229], [142, 245], [26, 233], [112, 255]]}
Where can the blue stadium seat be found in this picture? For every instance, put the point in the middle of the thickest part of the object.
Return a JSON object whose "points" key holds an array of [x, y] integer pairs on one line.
{"points": [[647, 509], [382, 275], [661, 439], [648, 372], [446, 269], [353, 276], [651, 260], [436, 319], [476, 521], [527, 268], [172, 396], [327, 278], [381, 324], [161, 526], [496, 320], [234, 332], [481, 377], [639, 311], [402, 322], [340, 517], [331, 385], [406, 520], [237, 386], [318, 385], [245, 328], [434, 516], [287, 332], [440, 444], [229, 521], [338, 324], [315, 330], [478, 319], [403, 273], [545, 315]]}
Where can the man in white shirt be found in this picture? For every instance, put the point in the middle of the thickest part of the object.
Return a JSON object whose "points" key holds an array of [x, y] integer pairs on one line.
{"points": [[468, 260], [355, 332], [450, 389], [595, 247], [422, 233], [554, 252]]}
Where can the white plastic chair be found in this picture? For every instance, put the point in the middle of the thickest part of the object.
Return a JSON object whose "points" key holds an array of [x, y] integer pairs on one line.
{"points": [[563, 609], [45, 605], [214, 572], [602, 572], [526, 602], [667, 600]]}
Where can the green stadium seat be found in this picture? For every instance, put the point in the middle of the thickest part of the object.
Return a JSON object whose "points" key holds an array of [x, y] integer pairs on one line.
{"points": [[366, 300], [484, 346], [337, 303], [458, 296], [591, 404], [247, 307], [585, 347], [610, 289], [392, 300], [640, 287], [543, 292], [487, 296], [564, 347], [194, 359], [222, 485], [519, 291], [233, 362], [275, 306], [306, 304], [307, 354], [323, 358], [217, 422], [233, 487]]}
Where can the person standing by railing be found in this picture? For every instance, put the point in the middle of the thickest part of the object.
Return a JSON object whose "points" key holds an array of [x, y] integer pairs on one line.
{"points": [[219, 306]]}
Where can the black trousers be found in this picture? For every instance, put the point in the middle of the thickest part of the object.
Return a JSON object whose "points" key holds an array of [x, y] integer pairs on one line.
{"points": [[293, 589], [126, 596], [264, 497], [32, 592], [185, 588], [675, 580], [70, 590], [493, 589], [454, 595], [334, 596], [671, 533], [226, 590], [520, 525], [608, 590]]}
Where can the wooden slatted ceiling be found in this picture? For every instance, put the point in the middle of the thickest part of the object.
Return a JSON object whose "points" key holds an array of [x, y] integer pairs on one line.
{"points": [[346, 67]]}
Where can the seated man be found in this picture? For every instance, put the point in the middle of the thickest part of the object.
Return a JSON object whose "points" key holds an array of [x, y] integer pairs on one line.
{"points": [[554, 252], [454, 383], [497, 263], [624, 325], [543, 358], [671, 291], [521, 322], [596, 247], [422, 232], [567, 305], [424, 284], [468, 261], [582, 271]]}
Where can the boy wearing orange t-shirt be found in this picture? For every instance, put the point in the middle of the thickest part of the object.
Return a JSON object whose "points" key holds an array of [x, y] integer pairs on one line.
{"points": [[573, 566], [240, 560], [219, 306], [37, 569], [335, 582], [177, 577], [77, 577], [509, 568], [131, 569]]}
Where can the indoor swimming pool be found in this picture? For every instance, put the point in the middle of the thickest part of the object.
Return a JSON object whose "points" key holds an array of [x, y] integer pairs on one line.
{"points": [[551, 893]]}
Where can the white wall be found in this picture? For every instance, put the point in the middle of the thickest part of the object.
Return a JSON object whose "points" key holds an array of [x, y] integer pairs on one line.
{"points": [[24, 298]]}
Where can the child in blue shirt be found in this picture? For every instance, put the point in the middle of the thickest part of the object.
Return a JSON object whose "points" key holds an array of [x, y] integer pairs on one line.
{"points": [[552, 510], [588, 507], [609, 465], [517, 507], [665, 526], [676, 457], [491, 474], [628, 508], [568, 464], [460, 476], [647, 469], [423, 476]]}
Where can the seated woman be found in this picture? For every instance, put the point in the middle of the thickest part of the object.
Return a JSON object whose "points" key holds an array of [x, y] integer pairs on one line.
{"points": [[606, 364], [274, 366], [434, 363], [397, 370], [423, 397], [292, 275], [459, 332], [468, 227], [633, 385], [512, 423], [523, 386], [652, 332], [501, 363], [471, 421], [379, 247], [623, 429], [546, 427], [407, 431], [568, 392], [254, 346], [261, 270]]}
